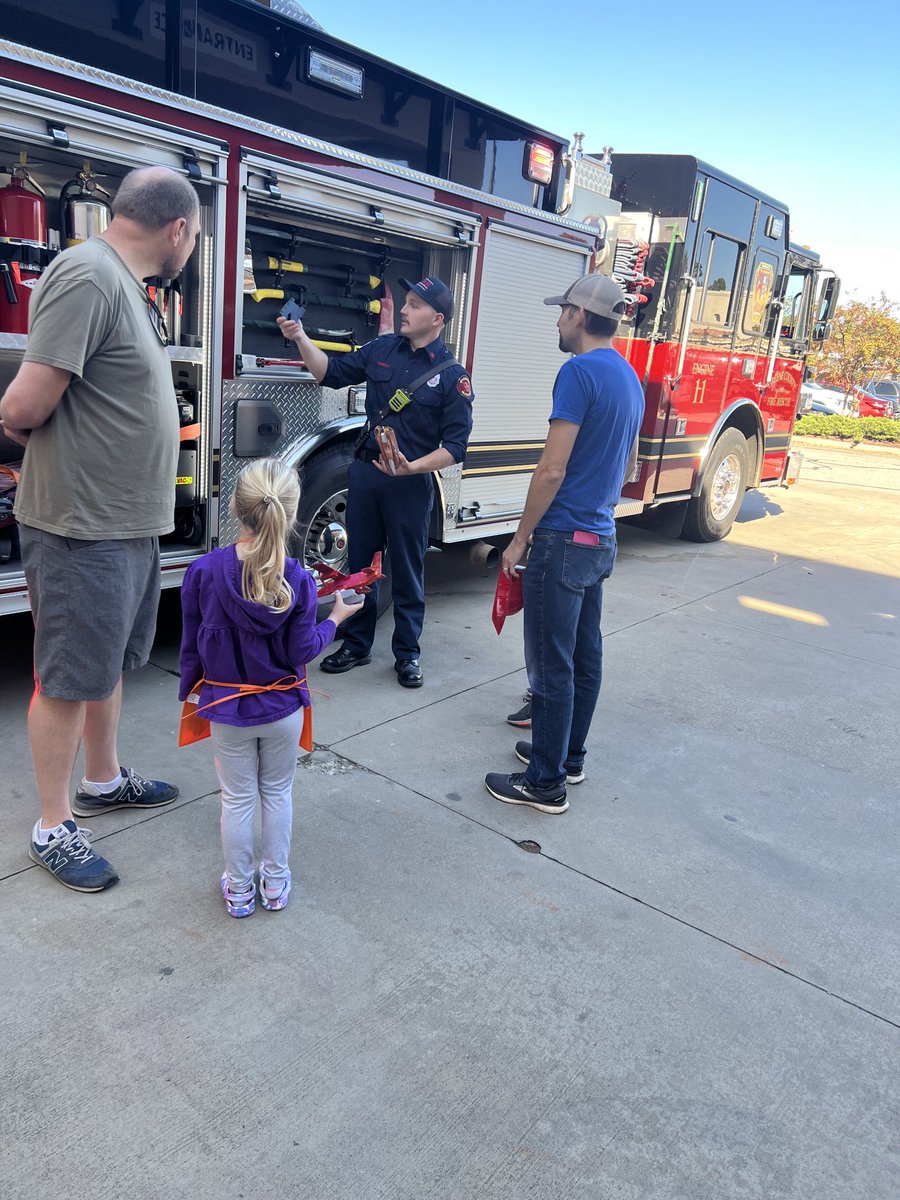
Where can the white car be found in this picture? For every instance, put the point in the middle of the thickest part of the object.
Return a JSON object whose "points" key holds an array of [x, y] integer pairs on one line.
{"points": [[817, 399]]}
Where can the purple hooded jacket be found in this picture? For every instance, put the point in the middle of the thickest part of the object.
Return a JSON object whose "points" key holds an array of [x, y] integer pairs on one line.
{"points": [[232, 640]]}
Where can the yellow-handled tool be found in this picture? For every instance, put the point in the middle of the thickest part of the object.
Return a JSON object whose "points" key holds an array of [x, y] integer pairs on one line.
{"points": [[354, 303], [299, 268]]}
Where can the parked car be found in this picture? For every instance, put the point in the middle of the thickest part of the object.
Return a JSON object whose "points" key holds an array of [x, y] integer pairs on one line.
{"points": [[887, 389], [890, 388], [871, 405], [814, 398]]}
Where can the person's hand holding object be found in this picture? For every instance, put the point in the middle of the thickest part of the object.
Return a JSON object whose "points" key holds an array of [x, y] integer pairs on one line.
{"points": [[391, 462], [341, 610], [290, 330], [514, 556]]}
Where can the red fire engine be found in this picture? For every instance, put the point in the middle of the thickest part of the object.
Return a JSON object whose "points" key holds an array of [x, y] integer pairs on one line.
{"points": [[326, 174]]}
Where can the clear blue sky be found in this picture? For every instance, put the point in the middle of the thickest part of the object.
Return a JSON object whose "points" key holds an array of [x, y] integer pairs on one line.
{"points": [[800, 99]]}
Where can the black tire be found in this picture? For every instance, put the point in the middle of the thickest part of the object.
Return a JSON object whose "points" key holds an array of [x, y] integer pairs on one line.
{"points": [[320, 534], [711, 515]]}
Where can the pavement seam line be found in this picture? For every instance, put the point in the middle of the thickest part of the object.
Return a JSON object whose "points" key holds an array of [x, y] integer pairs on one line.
{"points": [[721, 940], [644, 903], [507, 674], [868, 487], [697, 599], [151, 815], [872, 662], [549, 858], [431, 703]]}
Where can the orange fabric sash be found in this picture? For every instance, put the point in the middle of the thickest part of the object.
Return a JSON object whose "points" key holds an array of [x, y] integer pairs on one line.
{"points": [[194, 728]]}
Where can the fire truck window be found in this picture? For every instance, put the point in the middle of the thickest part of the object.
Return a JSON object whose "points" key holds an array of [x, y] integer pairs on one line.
{"points": [[716, 300], [762, 285], [796, 304]]}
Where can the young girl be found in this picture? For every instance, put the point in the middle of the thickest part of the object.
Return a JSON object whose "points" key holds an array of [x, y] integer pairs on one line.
{"points": [[250, 617]]}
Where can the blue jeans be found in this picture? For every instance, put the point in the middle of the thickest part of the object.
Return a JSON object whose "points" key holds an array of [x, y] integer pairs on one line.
{"points": [[563, 593]]}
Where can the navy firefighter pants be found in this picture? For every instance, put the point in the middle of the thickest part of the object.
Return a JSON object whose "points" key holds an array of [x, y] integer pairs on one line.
{"points": [[387, 513]]}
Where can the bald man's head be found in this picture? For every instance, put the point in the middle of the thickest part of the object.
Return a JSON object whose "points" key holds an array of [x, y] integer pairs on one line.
{"points": [[154, 197]]}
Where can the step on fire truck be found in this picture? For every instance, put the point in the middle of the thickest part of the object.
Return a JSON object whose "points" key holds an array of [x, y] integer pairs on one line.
{"points": [[325, 174]]}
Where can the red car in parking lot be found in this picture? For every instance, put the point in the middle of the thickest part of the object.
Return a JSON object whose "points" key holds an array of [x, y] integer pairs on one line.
{"points": [[886, 389], [861, 401], [871, 405]]}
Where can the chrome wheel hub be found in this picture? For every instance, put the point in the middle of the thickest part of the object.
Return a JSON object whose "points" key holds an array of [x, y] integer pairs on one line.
{"points": [[725, 485], [326, 538]]}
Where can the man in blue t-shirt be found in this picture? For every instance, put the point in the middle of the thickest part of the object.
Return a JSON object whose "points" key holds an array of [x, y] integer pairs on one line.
{"points": [[598, 405]]}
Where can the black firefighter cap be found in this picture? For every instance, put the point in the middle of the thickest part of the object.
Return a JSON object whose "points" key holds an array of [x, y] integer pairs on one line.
{"points": [[434, 292]]}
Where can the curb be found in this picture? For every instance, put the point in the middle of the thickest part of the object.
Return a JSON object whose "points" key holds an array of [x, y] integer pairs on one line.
{"points": [[811, 443]]}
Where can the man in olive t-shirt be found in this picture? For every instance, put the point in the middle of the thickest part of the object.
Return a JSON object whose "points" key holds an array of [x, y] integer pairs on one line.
{"points": [[90, 319], [94, 405]]}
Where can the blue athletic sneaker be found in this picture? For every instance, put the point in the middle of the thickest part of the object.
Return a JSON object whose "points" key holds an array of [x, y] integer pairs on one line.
{"points": [[132, 792], [70, 858]]}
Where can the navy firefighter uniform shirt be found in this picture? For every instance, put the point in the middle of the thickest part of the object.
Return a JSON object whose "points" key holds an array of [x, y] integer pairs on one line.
{"points": [[440, 412]]}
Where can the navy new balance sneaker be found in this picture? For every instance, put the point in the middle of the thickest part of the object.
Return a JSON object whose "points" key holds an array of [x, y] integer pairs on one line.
{"points": [[69, 856], [132, 792]]}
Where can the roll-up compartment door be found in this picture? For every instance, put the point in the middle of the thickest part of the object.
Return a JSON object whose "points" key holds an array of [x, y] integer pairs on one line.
{"points": [[367, 208], [102, 135], [340, 248], [515, 363]]}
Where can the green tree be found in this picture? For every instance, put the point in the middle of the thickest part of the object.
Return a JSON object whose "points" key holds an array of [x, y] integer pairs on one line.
{"points": [[864, 345]]}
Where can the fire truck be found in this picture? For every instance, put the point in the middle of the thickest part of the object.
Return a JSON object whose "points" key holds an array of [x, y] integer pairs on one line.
{"points": [[324, 175]]}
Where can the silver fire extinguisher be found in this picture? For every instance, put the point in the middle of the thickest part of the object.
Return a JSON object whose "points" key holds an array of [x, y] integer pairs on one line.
{"points": [[84, 209]]}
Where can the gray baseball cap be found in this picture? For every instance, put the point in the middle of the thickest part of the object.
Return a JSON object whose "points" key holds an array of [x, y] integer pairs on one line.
{"points": [[595, 293]]}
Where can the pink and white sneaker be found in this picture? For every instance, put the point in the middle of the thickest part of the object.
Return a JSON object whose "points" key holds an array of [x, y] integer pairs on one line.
{"points": [[273, 893]]}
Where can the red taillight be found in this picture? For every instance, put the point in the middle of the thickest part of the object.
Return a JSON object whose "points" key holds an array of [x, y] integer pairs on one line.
{"points": [[539, 160]]}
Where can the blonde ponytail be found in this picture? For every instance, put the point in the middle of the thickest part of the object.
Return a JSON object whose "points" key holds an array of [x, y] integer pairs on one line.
{"points": [[266, 496]]}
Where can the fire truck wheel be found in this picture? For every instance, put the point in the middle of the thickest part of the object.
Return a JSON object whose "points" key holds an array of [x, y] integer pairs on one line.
{"points": [[711, 514], [321, 531]]}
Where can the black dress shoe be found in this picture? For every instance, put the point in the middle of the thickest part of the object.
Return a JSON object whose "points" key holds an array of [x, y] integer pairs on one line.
{"points": [[409, 673], [343, 660]]}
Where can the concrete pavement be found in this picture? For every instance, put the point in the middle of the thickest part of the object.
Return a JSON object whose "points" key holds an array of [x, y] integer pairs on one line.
{"points": [[686, 986]]}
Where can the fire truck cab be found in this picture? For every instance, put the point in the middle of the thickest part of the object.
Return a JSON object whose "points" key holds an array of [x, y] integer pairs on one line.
{"points": [[725, 310]]}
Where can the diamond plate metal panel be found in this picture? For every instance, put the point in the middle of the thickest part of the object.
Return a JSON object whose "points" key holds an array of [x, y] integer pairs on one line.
{"points": [[303, 408], [451, 488], [593, 179]]}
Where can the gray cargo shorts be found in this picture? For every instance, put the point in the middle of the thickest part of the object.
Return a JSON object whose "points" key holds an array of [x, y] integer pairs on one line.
{"points": [[94, 607]]}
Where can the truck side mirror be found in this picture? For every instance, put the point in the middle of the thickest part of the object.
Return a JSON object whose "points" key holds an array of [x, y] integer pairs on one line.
{"points": [[828, 298], [822, 331]]}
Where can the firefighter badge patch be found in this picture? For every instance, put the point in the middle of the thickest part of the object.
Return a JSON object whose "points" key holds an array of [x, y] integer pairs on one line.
{"points": [[433, 381], [464, 386]]}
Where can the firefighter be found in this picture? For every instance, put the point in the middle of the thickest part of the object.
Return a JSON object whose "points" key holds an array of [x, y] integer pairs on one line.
{"points": [[597, 409], [417, 389]]}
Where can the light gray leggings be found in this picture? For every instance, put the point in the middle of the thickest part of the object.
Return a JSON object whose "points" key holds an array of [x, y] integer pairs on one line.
{"points": [[256, 762]]}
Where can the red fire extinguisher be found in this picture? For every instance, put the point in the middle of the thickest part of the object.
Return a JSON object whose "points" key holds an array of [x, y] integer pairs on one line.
{"points": [[23, 213], [23, 242]]}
